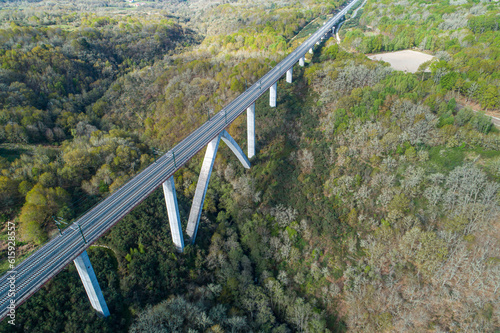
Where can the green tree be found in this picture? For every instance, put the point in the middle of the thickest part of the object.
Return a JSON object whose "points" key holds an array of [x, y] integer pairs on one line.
{"points": [[463, 116], [431, 253], [41, 204], [481, 122]]}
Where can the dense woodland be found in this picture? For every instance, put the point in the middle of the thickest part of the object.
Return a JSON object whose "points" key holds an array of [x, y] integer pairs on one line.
{"points": [[372, 204], [462, 34]]}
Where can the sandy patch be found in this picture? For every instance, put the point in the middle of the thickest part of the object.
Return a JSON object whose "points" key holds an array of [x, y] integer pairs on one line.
{"points": [[406, 60]]}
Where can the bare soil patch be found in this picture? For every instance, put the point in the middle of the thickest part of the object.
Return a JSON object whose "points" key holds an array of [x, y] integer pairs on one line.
{"points": [[406, 60]]}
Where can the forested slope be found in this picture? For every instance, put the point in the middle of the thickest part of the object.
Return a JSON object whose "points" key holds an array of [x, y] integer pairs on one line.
{"points": [[371, 206], [464, 35], [52, 81]]}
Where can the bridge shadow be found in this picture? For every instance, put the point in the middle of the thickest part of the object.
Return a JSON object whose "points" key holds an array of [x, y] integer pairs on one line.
{"points": [[281, 133], [316, 58]]}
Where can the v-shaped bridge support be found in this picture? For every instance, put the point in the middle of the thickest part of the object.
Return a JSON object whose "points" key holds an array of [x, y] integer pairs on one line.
{"points": [[200, 193], [206, 171]]}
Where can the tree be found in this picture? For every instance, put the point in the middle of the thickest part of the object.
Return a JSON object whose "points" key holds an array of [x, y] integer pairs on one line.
{"points": [[481, 122], [8, 192], [463, 116], [422, 68], [490, 97], [431, 253], [41, 204], [439, 69]]}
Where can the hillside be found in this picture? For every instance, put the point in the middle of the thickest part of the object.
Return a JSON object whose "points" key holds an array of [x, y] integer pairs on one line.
{"points": [[372, 204]]}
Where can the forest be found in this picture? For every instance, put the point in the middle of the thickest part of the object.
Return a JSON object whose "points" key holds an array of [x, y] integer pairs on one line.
{"points": [[462, 34], [372, 204]]}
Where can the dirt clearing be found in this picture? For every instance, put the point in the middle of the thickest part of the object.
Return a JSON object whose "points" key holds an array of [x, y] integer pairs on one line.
{"points": [[406, 60]]}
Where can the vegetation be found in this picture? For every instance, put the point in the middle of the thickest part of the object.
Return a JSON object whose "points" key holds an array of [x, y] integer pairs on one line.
{"points": [[462, 34], [372, 204]]}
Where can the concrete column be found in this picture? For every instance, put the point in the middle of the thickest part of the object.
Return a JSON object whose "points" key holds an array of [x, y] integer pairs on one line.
{"points": [[173, 214], [203, 180], [289, 75], [201, 188], [272, 94], [311, 51], [251, 130], [89, 280], [301, 62], [337, 28], [235, 149]]}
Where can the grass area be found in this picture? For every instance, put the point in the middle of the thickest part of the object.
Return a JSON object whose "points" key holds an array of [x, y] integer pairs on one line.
{"points": [[4, 264], [12, 151], [487, 153], [312, 27], [446, 159]]}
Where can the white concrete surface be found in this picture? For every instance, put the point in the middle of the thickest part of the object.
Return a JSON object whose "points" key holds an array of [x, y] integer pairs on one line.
{"points": [[201, 188], [173, 214], [235, 148], [273, 90], [251, 130], [289, 75], [89, 280]]}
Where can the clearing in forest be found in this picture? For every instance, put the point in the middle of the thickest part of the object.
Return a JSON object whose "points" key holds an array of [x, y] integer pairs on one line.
{"points": [[406, 60]]}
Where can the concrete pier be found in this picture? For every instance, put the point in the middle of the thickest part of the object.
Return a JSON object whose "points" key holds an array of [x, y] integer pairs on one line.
{"points": [[311, 51], [173, 214], [301, 62], [235, 149], [89, 280], [201, 188], [251, 130], [337, 28], [272, 94], [203, 180], [289, 75]]}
